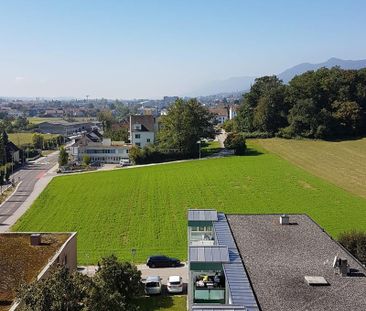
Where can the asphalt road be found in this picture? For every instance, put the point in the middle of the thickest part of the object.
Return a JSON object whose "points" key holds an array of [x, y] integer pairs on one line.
{"points": [[28, 176]]}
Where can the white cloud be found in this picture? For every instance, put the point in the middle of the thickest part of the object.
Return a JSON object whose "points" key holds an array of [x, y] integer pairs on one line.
{"points": [[19, 78]]}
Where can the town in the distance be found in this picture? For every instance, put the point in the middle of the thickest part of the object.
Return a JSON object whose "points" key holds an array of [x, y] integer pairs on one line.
{"points": [[183, 156]]}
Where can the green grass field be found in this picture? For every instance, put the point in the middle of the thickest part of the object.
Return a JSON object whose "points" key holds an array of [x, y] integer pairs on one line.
{"points": [[26, 138], [145, 208], [37, 120]]}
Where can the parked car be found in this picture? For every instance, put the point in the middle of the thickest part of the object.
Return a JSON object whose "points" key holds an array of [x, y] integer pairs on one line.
{"points": [[162, 261], [175, 284], [124, 162], [153, 285]]}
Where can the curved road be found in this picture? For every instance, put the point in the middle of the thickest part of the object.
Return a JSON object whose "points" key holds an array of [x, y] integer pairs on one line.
{"points": [[28, 177]]}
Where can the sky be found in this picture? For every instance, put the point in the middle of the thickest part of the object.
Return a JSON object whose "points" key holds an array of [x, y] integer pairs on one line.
{"points": [[148, 49]]}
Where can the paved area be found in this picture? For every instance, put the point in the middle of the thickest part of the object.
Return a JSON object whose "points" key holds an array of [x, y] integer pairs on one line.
{"points": [[32, 179], [164, 273]]}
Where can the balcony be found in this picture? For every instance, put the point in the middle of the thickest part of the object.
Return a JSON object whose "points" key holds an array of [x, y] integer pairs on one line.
{"points": [[209, 289]]}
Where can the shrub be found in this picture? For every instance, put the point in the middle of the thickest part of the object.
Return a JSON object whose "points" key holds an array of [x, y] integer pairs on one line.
{"points": [[355, 243], [86, 159]]}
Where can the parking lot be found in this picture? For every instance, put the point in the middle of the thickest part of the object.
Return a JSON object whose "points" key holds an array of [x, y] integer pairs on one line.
{"points": [[164, 273]]}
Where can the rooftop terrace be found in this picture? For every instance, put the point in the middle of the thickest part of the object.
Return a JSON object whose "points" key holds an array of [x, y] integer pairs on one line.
{"points": [[278, 257], [21, 262]]}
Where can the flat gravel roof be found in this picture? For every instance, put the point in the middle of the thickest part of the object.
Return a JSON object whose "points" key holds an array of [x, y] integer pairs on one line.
{"points": [[278, 257]]}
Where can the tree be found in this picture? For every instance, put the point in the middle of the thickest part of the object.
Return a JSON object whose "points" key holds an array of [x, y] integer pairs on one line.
{"points": [[348, 116], [236, 142], [86, 159], [115, 286], [63, 157], [60, 291], [38, 141], [185, 124], [117, 133], [263, 108], [135, 154], [106, 118]]}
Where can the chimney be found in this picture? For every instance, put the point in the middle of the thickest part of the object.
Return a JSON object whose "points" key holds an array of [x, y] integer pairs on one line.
{"points": [[284, 220], [35, 239]]}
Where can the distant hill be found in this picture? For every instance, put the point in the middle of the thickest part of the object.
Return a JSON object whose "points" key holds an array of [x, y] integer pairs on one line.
{"points": [[288, 74], [231, 85], [242, 84]]}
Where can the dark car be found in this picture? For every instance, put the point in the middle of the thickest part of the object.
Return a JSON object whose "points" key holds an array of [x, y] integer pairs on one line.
{"points": [[162, 261]]}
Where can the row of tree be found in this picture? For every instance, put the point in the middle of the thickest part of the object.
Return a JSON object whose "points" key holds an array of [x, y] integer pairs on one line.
{"points": [[40, 142], [327, 103]]}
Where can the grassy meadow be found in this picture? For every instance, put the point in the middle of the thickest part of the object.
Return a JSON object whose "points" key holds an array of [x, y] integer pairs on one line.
{"points": [[342, 163], [145, 208], [26, 138], [37, 120]]}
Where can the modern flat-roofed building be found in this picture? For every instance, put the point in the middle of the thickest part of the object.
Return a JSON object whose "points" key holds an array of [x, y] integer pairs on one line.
{"points": [[276, 263], [217, 279], [25, 257]]}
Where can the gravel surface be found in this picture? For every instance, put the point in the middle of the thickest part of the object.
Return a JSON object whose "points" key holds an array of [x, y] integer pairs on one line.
{"points": [[278, 258]]}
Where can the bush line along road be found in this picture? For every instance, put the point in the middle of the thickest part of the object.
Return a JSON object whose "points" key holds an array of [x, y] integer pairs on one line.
{"points": [[145, 208]]}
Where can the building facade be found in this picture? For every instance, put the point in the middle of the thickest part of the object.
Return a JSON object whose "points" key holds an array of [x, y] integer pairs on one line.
{"points": [[104, 151], [142, 130]]}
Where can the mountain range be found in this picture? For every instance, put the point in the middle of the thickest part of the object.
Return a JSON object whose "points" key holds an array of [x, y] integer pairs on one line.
{"points": [[243, 83]]}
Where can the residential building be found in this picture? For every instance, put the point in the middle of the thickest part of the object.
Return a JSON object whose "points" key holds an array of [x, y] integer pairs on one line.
{"points": [[221, 114], [142, 130], [25, 257], [12, 153], [269, 262], [99, 149]]}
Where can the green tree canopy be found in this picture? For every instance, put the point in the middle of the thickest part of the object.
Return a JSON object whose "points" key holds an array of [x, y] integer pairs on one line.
{"points": [[63, 157], [185, 124]]}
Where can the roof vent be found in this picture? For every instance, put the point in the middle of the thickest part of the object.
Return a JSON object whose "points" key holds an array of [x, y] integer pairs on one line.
{"points": [[35, 239], [341, 266], [316, 280], [284, 220]]}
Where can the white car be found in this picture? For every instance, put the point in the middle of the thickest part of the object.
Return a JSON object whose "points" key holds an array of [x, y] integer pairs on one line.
{"points": [[153, 285], [175, 284]]}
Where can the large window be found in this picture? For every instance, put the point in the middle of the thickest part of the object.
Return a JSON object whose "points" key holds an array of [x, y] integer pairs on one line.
{"points": [[137, 136]]}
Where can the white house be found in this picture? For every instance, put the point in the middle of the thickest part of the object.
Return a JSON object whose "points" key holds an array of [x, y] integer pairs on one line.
{"points": [[142, 130], [104, 151], [221, 114]]}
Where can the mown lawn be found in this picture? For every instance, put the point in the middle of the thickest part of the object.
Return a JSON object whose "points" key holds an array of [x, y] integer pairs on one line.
{"points": [[161, 303], [341, 162], [145, 208]]}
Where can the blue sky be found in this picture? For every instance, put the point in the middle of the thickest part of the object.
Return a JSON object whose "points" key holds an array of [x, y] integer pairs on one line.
{"points": [[136, 48]]}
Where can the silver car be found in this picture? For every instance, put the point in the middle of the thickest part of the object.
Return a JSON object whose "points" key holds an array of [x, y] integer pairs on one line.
{"points": [[153, 285]]}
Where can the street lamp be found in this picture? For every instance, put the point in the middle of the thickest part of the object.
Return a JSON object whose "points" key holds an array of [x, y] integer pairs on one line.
{"points": [[199, 149]]}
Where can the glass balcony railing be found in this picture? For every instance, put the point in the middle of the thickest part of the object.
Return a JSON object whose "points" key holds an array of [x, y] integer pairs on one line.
{"points": [[209, 295]]}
